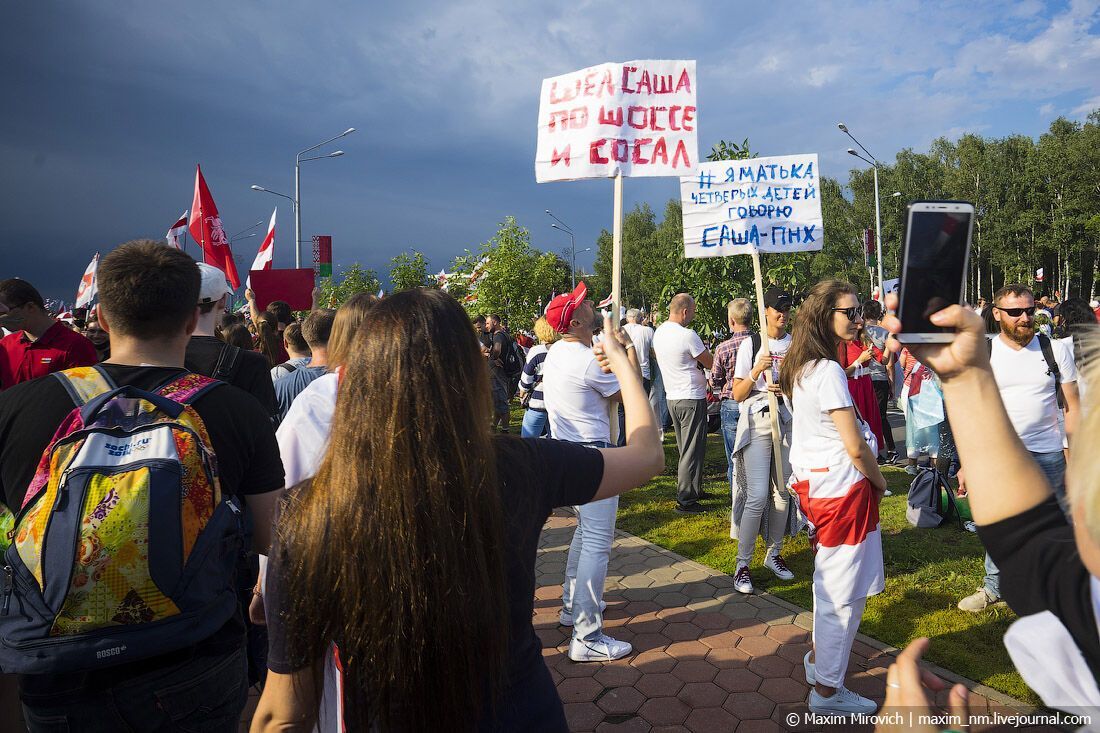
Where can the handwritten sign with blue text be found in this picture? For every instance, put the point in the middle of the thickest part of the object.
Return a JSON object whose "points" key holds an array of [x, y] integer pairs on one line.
{"points": [[637, 118], [733, 207]]}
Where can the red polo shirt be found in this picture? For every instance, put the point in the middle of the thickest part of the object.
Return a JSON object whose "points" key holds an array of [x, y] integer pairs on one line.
{"points": [[22, 359]]}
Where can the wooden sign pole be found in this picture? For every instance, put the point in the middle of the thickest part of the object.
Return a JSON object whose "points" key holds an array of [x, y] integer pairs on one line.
{"points": [[616, 283], [773, 403]]}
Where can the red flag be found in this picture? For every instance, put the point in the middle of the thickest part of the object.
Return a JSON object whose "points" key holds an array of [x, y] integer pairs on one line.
{"points": [[206, 228]]}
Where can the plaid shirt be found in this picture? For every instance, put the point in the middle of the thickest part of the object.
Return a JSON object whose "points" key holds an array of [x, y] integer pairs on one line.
{"points": [[721, 375]]}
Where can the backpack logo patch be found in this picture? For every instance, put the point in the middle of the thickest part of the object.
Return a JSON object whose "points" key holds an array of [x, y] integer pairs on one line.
{"points": [[125, 449]]}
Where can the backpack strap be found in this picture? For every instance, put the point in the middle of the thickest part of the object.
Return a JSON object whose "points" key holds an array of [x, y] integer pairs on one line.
{"points": [[84, 384], [1052, 367], [226, 366], [187, 388], [757, 342]]}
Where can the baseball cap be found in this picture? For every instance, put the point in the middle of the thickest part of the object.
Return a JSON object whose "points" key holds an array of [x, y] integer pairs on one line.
{"points": [[560, 309], [777, 298], [213, 285]]}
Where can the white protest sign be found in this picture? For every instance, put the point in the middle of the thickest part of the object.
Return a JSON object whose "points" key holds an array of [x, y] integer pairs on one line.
{"points": [[637, 118], [734, 207]]}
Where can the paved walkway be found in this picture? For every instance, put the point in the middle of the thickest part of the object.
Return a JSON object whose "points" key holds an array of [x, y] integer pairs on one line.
{"points": [[706, 658]]}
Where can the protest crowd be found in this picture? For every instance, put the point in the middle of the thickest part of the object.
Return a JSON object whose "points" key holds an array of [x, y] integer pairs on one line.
{"points": [[336, 504]]}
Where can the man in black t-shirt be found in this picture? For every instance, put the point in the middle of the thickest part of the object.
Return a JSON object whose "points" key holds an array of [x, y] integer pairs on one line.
{"points": [[146, 295], [500, 379], [245, 369]]}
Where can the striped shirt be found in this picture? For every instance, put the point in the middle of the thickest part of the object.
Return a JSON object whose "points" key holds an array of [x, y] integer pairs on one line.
{"points": [[531, 378], [725, 356]]}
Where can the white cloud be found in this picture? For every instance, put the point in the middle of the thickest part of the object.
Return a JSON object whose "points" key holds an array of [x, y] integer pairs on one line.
{"points": [[1087, 107]]}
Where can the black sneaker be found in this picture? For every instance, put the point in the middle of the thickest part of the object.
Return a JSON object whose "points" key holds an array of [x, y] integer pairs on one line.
{"points": [[705, 495], [692, 508]]}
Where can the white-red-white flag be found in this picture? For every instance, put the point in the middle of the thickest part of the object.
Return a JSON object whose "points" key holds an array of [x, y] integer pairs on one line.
{"points": [[1039, 275], [87, 291], [176, 231], [266, 254], [605, 303]]}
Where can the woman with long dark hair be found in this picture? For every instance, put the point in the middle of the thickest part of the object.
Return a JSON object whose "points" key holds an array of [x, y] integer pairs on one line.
{"points": [[839, 486], [413, 549]]}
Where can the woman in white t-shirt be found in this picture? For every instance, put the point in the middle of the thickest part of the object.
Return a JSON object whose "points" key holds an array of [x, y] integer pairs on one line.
{"points": [[839, 486], [760, 507]]}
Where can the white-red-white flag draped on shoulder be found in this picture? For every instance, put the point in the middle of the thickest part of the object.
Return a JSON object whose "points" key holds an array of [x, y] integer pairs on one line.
{"points": [[175, 232], [206, 229], [266, 254]]}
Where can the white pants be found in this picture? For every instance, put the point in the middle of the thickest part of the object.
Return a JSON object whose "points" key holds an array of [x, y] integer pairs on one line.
{"points": [[758, 458], [586, 566], [834, 631]]}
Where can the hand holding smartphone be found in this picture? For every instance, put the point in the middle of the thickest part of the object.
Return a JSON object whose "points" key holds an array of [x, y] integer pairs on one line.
{"points": [[933, 266]]}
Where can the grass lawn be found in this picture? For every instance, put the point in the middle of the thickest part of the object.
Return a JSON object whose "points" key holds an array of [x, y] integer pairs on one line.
{"points": [[927, 571]]}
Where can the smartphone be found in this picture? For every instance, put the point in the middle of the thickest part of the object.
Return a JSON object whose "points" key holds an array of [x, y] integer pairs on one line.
{"points": [[933, 265]]}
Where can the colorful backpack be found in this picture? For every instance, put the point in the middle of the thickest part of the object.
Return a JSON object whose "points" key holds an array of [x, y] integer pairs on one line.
{"points": [[125, 547]]}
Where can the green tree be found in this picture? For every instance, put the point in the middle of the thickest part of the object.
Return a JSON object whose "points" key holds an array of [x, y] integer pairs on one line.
{"points": [[518, 280], [410, 271], [353, 279]]}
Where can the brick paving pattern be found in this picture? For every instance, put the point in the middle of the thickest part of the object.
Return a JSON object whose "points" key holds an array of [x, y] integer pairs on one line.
{"points": [[706, 658]]}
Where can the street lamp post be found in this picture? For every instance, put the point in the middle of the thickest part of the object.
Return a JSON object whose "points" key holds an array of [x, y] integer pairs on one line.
{"points": [[298, 160], [873, 162], [293, 207], [572, 245]]}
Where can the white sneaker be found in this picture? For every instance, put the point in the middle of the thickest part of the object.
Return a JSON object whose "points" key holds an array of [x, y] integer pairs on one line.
{"points": [[887, 493], [843, 702], [776, 565], [565, 618], [811, 670], [602, 649], [742, 581]]}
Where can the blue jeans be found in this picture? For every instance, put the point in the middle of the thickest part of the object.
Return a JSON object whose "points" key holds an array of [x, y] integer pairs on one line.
{"points": [[586, 564], [204, 693], [1054, 466], [730, 413], [536, 424]]}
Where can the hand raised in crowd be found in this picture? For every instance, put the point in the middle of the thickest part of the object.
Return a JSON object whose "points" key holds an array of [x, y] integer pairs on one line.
{"points": [[967, 351], [611, 351], [910, 694], [249, 295]]}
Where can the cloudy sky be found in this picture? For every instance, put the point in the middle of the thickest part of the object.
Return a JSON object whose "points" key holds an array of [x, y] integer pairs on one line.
{"points": [[109, 106]]}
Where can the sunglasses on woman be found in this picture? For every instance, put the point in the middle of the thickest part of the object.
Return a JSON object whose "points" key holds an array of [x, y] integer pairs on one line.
{"points": [[852, 313], [1017, 312]]}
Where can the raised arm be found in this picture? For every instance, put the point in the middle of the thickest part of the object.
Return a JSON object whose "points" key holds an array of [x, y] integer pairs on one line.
{"points": [[642, 457], [1002, 479]]}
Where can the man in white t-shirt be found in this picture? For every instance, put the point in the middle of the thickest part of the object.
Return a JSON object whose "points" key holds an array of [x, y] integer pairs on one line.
{"points": [[1030, 390], [682, 357], [578, 396], [642, 338]]}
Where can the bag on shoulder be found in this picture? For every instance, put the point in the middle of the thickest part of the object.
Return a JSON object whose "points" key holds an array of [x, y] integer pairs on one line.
{"points": [[125, 547], [228, 361], [513, 357], [924, 507]]}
